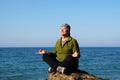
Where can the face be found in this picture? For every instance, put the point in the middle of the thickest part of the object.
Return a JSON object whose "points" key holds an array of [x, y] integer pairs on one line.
{"points": [[64, 31]]}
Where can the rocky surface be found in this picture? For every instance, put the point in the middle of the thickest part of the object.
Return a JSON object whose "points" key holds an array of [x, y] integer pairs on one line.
{"points": [[79, 75]]}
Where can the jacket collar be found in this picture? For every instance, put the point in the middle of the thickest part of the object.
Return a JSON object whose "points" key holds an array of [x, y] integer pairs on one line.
{"points": [[69, 38]]}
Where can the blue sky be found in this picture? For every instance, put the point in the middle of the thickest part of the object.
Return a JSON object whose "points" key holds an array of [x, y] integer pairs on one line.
{"points": [[36, 23]]}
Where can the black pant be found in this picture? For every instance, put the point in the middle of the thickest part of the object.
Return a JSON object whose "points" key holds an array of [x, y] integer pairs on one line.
{"points": [[69, 62]]}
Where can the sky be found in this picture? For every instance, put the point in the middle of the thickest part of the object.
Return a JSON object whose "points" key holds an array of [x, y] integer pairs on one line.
{"points": [[36, 23]]}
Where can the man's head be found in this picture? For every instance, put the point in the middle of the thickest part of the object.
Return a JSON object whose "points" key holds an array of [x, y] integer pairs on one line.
{"points": [[67, 26], [65, 29]]}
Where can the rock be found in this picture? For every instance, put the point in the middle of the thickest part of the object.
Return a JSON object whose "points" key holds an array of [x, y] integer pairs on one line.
{"points": [[79, 75]]}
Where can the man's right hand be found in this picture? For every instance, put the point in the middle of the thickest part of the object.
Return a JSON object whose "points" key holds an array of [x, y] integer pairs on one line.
{"points": [[41, 51]]}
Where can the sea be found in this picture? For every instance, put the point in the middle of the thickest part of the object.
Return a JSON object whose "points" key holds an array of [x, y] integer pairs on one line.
{"points": [[22, 63]]}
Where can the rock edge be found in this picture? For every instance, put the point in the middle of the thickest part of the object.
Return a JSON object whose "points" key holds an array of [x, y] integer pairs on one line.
{"points": [[79, 75]]}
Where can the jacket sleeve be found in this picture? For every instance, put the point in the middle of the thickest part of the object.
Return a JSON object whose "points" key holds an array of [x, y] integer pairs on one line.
{"points": [[76, 47], [54, 51]]}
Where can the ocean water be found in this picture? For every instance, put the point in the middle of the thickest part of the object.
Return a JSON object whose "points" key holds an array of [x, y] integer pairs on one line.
{"points": [[25, 64]]}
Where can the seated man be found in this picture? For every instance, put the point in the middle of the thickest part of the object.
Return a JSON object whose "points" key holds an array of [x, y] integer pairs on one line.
{"points": [[64, 59]]}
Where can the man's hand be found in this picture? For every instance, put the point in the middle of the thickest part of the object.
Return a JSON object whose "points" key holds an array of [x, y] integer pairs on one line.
{"points": [[75, 54], [41, 51]]}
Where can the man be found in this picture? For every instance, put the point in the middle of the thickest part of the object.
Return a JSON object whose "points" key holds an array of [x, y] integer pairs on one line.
{"points": [[64, 59]]}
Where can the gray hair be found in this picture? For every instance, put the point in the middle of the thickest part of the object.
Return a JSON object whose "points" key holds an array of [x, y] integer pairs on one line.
{"points": [[66, 25]]}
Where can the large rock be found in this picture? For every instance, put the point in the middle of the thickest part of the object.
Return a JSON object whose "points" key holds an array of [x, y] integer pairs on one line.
{"points": [[79, 75]]}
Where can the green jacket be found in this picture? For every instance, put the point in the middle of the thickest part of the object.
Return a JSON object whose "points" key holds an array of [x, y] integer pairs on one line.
{"points": [[62, 51]]}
